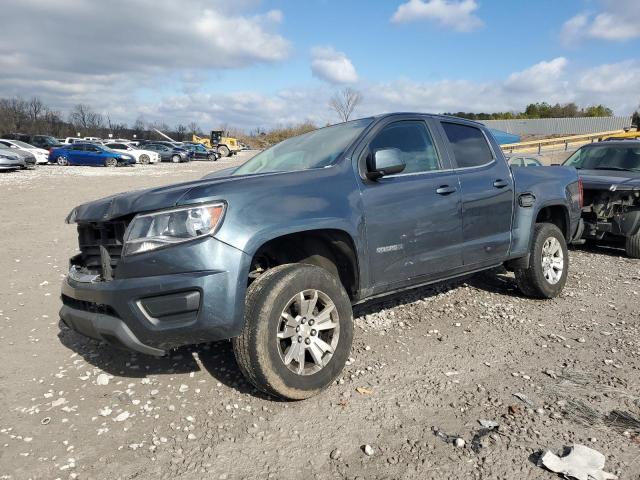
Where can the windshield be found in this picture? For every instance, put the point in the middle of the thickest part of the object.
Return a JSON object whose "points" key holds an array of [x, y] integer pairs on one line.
{"points": [[46, 140], [606, 158], [316, 149], [20, 144]]}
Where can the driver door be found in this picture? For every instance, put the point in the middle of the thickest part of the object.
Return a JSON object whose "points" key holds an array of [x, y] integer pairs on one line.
{"points": [[413, 219]]}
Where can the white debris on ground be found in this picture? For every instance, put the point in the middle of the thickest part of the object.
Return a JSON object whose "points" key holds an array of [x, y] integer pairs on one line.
{"points": [[581, 463]]}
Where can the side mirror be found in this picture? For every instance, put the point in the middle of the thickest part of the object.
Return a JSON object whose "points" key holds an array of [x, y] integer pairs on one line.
{"points": [[386, 162]]}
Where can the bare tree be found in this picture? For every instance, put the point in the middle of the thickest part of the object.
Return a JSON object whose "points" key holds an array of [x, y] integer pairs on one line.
{"points": [[193, 128], [181, 131], [36, 107], [345, 102]]}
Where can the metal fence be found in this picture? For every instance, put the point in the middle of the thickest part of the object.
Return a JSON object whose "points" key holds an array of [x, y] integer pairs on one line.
{"points": [[560, 126]]}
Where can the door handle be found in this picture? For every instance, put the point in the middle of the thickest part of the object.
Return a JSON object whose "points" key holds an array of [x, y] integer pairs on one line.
{"points": [[445, 190], [500, 183]]}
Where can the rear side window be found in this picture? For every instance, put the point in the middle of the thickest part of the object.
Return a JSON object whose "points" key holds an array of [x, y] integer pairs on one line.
{"points": [[414, 142], [470, 147]]}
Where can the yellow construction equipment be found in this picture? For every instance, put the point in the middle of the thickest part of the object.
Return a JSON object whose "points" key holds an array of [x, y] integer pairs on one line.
{"points": [[219, 140]]}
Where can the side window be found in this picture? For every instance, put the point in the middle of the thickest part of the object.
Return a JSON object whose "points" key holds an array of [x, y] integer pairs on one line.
{"points": [[414, 142], [470, 147]]}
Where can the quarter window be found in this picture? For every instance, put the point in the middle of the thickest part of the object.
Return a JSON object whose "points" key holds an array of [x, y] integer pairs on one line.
{"points": [[470, 147], [414, 142]]}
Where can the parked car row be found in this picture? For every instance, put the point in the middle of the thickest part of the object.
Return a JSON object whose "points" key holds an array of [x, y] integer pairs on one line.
{"points": [[25, 151]]}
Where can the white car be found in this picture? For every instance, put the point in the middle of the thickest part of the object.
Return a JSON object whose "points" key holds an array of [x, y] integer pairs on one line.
{"points": [[141, 156], [70, 140], [42, 155]]}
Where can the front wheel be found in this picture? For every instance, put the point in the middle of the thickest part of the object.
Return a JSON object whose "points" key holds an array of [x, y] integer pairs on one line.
{"points": [[548, 263], [223, 150], [632, 245], [111, 162], [144, 159], [212, 157], [298, 331]]}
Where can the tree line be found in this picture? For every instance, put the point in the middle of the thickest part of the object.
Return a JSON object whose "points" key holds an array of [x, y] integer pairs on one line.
{"points": [[32, 116], [542, 110]]}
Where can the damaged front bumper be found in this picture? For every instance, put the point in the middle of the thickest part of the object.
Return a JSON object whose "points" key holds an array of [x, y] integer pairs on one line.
{"points": [[186, 294]]}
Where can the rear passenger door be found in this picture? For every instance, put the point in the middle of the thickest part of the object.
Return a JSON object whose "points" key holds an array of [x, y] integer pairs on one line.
{"points": [[76, 154], [487, 193], [413, 219]]}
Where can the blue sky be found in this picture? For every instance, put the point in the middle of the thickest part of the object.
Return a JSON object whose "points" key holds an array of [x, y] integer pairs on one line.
{"points": [[272, 62]]}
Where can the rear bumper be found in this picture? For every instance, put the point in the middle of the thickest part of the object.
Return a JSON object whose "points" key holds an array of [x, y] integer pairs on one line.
{"points": [[152, 306]]}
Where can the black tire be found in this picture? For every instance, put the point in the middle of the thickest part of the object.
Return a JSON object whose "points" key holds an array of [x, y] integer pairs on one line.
{"points": [[144, 159], [532, 281], [258, 350], [632, 246], [212, 157], [175, 158], [111, 162], [223, 150]]}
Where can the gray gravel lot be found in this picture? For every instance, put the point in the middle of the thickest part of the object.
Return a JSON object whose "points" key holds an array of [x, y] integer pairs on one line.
{"points": [[426, 367]]}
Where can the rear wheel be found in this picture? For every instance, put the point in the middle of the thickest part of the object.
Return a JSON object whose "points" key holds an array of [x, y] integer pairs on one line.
{"points": [[62, 161], [632, 246], [548, 263], [175, 158], [298, 331], [223, 150], [111, 162], [144, 159]]}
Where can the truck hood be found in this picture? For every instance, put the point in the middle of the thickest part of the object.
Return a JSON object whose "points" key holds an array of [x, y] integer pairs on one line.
{"points": [[130, 203], [613, 180]]}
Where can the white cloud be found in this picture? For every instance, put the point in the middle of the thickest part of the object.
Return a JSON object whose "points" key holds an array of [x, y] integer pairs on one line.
{"points": [[456, 14], [615, 85], [619, 20], [541, 77], [150, 37], [332, 66]]}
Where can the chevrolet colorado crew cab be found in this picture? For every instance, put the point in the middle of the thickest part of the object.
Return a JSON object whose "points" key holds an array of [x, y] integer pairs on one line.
{"points": [[273, 254]]}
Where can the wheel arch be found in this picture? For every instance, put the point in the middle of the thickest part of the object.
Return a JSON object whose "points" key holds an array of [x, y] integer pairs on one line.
{"points": [[556, 214], [314, 246]]}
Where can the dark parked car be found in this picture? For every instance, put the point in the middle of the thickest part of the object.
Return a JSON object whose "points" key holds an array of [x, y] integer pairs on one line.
{"points": [[610, 172], [41, 141], [89, 154], [274, 254], [29, 159], [200, 152], [168, 153]]}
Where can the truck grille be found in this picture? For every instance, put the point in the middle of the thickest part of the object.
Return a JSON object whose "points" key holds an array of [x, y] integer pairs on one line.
{"points": [[101, 246]]}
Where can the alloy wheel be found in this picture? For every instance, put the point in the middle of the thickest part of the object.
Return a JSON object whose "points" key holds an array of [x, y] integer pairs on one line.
{"points": [[308, 332], [552, 260]]}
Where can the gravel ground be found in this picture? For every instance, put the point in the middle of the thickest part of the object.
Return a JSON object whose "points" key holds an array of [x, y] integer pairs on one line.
{"points": [[426, 367]]}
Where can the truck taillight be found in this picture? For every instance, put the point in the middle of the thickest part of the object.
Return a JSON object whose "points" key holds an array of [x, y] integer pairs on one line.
{"points": [[581, 192]]}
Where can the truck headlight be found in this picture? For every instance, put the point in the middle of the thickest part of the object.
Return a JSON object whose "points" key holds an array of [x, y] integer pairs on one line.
{"points": [[150, 231]]}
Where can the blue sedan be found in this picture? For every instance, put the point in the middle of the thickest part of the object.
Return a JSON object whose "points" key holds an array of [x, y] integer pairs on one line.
{"points": [[89, 154]]}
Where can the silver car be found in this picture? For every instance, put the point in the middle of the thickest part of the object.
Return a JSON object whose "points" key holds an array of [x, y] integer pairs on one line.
{"points": [[28, 159], [10, 161]]}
